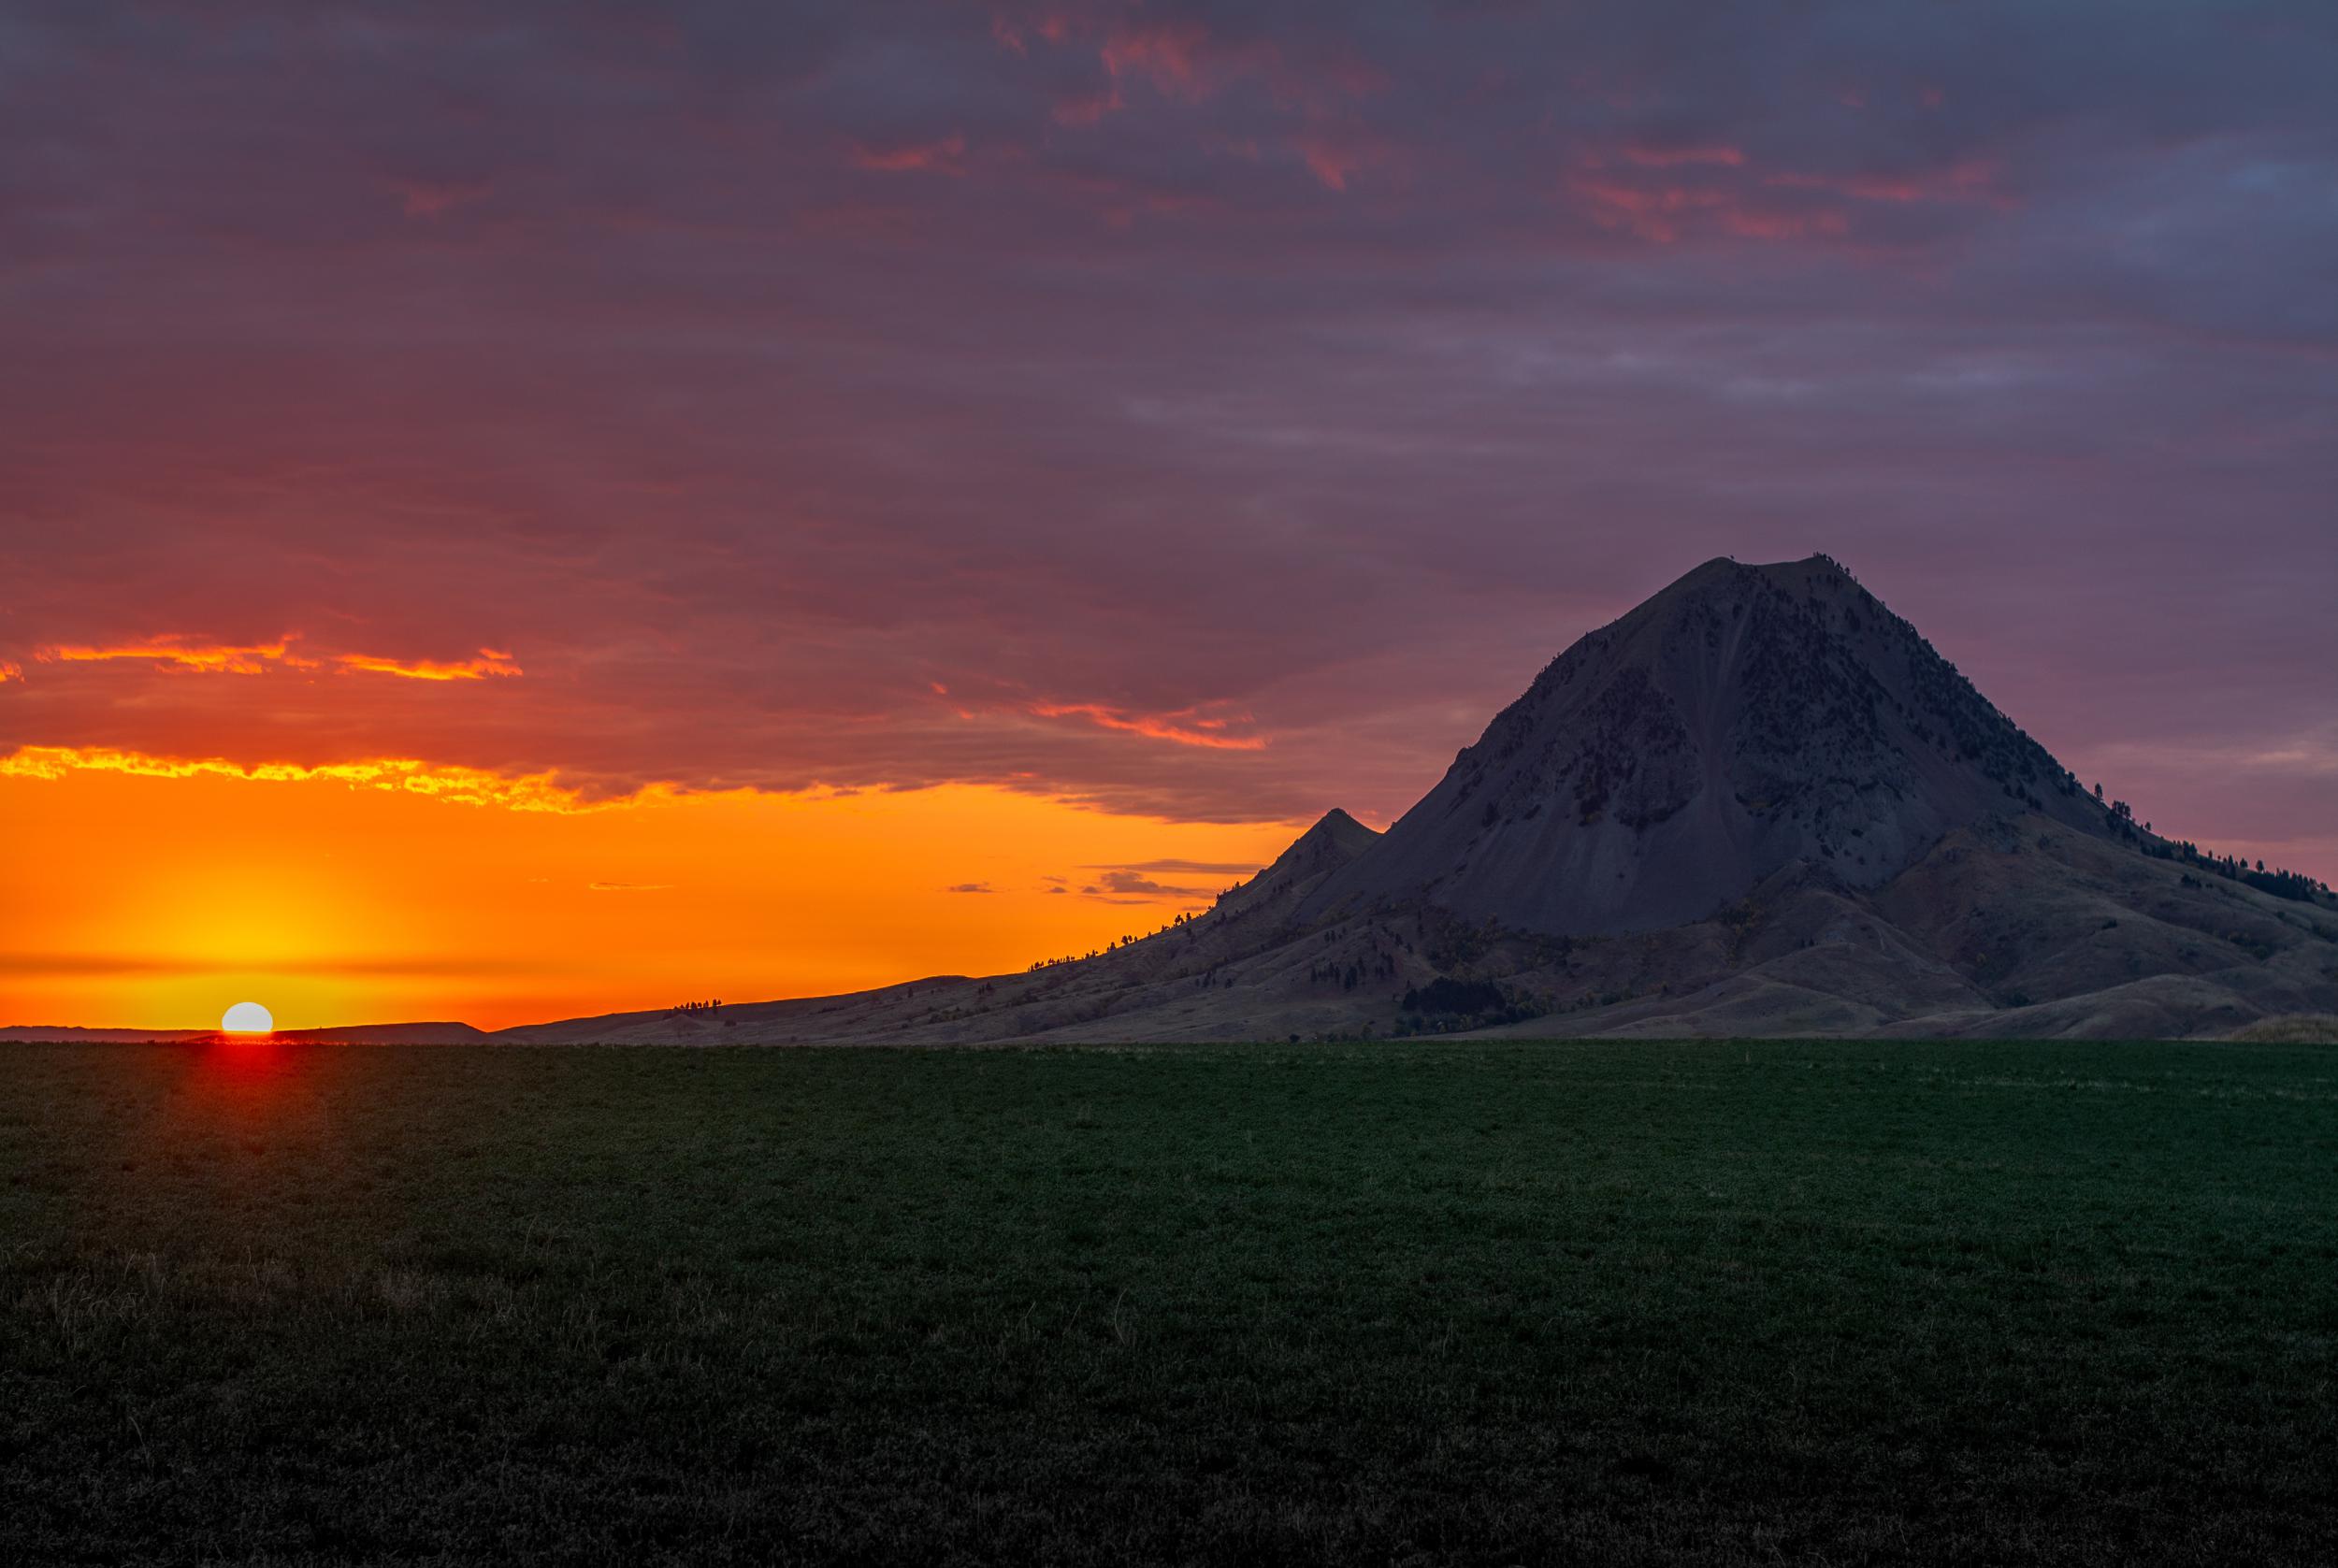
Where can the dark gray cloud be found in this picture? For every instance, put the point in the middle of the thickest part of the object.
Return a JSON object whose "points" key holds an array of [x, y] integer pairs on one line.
{"points": [[1133, 884], [1210, 410]]}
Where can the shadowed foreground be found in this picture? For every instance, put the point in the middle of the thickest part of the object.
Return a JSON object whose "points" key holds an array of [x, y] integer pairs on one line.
{"points": [[1477, 1303]]}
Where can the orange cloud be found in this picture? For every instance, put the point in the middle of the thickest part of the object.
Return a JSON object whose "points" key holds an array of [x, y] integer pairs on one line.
{"points": [[1183, 727], [177, 653], [489, 661], [9, 671], [930, 157], [470, 787]]}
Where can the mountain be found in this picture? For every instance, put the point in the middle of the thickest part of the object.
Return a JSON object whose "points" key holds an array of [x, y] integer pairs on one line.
{"points": [[1745, 719], [1334, 841], [1758, 804]]}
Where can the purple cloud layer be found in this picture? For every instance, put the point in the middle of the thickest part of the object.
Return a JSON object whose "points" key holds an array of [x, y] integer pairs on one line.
{"points": [[1211, 410]]}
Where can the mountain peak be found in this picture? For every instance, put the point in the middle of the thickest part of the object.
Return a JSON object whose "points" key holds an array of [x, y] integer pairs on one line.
{"points": [[1335, 841], [1337, 825], [1744, 718]]}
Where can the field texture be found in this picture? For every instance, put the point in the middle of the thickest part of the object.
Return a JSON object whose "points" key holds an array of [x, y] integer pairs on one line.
{"points": [[1506, 1303]]}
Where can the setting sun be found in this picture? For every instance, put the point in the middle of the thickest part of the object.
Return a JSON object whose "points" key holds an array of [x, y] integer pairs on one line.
{"points": [[247, 1017]]}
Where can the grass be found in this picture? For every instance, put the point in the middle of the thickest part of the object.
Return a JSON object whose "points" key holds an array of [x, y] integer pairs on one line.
{"points": [[2291, 1029], [1495, 1302]]}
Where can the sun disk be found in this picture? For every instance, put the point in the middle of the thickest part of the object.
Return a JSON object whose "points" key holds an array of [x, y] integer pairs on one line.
{"points": [[248, 1018]]}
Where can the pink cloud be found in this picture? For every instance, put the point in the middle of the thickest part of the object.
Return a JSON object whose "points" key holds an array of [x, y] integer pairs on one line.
{"points": [[423, 198], [1972, 179], [1676, 157], [1169, 54], [1186, 727], [927, 157]]}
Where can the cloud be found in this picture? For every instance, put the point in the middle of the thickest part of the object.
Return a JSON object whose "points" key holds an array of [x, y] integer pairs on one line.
{"points": [[178, 652], [425, 198], [468, 787], [171, 652], [489, 661], [1674, 157], [1186, 727], [1230, 407], [968, 887], [1192, 868], [1131, 883], [416, 966], [942, 156]]}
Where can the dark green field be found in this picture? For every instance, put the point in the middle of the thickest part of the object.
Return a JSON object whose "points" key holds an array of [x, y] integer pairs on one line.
{"points": [[1499, 1303]]}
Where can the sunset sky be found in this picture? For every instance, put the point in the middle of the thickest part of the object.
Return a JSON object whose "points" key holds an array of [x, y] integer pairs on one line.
{"points": [[510, 511]]}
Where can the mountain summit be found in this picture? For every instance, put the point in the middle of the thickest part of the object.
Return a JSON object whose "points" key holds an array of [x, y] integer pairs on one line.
{"points": [[1758, 804], [1745, 719]]}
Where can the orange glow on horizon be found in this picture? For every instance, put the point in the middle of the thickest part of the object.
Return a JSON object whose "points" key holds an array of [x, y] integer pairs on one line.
{"points": [[355, 895]]}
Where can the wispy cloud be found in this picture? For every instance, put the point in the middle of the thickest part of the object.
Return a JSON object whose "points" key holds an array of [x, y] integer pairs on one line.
{"points": [[489, 661], [1186, 727], [1190, 868], [174, 651], [180, 652], [471, 786], [941, 156], [1131, 883]]}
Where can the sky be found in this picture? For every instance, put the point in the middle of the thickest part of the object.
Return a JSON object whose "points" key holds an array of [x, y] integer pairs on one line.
{"points": [[519, 510]]}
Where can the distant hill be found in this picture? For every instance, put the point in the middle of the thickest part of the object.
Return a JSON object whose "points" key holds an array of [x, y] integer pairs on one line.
{"points": [[67, 1034], [354, 1034]]}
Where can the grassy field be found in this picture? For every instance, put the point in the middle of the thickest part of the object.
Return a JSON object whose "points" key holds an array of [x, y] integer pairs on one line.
{"points": [[1426, 1302]]}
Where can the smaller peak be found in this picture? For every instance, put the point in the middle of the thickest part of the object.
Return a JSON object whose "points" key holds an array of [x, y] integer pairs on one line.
{"points": [[1336, 827]]}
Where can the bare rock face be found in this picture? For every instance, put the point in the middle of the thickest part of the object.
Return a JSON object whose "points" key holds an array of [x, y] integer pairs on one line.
{"points": [[1744, 719]]}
